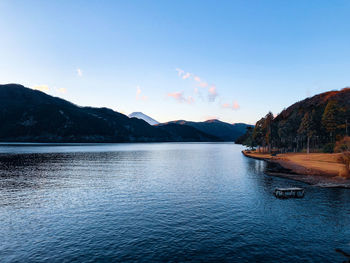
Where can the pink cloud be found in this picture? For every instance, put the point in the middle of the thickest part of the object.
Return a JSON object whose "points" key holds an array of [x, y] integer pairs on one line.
{"points": [[212, 93], [196, 78], [138, 94], [138, 90], [203, 84], [179, 97], [182, 74], [176, 95], [210, 117], [233, 106], [190, 100], [186, 76]]}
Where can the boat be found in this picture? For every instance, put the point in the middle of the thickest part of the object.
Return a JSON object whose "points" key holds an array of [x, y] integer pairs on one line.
{"points": [[292, 192]]}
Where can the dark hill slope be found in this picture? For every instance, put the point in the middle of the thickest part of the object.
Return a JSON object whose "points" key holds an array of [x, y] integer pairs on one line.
{"points": [[187, 133], [30, 115], [316, 122], [224, 131], [317, 102]]}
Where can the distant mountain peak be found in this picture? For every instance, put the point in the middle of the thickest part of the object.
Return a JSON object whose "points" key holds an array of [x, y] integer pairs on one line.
{"points": [[142, 116], [212, 120], [223, 130]]}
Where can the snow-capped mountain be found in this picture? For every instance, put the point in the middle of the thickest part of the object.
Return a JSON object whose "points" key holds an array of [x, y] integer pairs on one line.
{"points": [[140, 115]]}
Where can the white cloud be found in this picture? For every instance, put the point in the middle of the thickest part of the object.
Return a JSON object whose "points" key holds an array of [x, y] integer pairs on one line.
{"points": [[139, 96], [138, 90], [79, 72], [62, 90], [212, 91], [180, 72]]}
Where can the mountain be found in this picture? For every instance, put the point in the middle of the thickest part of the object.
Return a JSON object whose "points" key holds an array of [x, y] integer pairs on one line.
{"points": [[224, 131], [142, 116], [33, 116], [318, 103], [315, 122], [187, 133]]}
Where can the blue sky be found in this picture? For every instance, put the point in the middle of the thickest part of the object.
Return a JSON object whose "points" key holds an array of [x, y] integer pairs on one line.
{"points": [[193, 60]]}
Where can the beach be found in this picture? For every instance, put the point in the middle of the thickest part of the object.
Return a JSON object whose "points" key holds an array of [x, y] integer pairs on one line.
{"points": [[319, 169]]}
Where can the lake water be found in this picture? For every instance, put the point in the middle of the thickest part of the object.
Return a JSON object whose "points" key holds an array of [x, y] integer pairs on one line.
{"points": [[166, 202]]}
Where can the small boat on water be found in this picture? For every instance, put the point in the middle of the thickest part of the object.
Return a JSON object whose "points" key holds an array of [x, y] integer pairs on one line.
{"points": [[293, 192]]}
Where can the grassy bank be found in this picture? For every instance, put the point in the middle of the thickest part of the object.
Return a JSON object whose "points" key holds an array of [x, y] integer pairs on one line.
{"points": [[322, 169]]}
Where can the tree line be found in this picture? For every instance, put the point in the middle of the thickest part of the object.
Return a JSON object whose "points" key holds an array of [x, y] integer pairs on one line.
{"points": [[315, 124]]}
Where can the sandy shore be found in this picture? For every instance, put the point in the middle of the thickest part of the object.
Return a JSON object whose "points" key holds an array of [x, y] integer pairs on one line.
{"points": [[320, 169]]}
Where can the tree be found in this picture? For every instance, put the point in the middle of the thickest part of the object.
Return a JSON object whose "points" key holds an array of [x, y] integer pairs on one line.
{"points": [[258, 133], [267, 129], [343, 116], [248, 138], [331, 118], [307, 127], [262, 133], [285, 130]]}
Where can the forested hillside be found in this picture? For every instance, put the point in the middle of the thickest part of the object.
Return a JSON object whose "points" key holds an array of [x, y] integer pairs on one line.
{"points": [[223, 130], [28, 115], [314, 124]]}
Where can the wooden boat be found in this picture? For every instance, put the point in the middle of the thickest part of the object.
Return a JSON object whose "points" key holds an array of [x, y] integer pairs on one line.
{"points": [[293, 192]]}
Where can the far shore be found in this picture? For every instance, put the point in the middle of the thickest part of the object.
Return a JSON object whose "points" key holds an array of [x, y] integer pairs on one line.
{"points": [[319, 169]]}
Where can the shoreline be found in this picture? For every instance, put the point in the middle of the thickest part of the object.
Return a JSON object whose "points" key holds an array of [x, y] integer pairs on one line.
{"points": [[320, 170]]}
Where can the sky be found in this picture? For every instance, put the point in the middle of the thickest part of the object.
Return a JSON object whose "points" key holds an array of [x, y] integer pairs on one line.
{"points": [[193, 60]]}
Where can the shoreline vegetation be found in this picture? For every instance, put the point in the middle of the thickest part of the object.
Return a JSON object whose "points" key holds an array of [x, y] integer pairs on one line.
{"points": [[318, 169]]}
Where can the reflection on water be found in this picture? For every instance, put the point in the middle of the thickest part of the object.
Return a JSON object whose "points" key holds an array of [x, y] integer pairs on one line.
{"points": [[160, 202]]}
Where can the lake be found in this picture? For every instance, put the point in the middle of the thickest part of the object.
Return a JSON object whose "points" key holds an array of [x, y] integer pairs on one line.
{"points": [[160, 202]]}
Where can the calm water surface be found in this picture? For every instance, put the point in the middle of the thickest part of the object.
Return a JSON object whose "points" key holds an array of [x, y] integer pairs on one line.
{"points": [[168, 202]]}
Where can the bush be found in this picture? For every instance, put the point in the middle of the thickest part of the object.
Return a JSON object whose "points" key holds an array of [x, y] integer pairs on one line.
{"points": [[346, 161], [342, 145], [328, 148]]}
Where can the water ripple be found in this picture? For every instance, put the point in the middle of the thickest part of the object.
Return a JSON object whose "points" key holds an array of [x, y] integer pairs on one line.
{"points": [[160, 203]]}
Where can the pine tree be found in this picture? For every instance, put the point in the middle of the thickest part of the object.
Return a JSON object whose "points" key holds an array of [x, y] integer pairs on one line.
{"points": [[258, 133], [330, 118], [307, 127], [268, 129]]}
